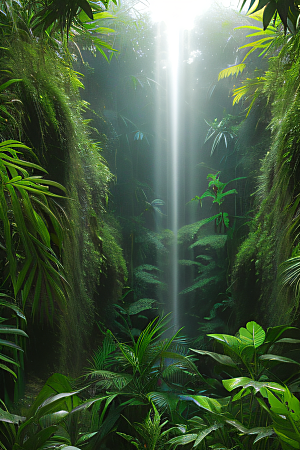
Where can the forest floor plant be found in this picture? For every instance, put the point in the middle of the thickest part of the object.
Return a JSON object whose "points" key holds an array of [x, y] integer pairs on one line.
{"points": [[151, 370], [261, 409], [250, 404]]}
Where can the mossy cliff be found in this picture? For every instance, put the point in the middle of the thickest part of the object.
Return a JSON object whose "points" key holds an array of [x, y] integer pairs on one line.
{"points": [[51, 122], [273, 237]]}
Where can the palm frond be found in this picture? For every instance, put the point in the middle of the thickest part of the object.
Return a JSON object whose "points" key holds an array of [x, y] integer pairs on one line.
{"points": [[290, 273], [8, 345], [103, 356], [25, 211], [111, 380]]}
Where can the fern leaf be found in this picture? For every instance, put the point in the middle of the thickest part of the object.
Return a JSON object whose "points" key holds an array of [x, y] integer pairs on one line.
{"points": [[232, 70]]}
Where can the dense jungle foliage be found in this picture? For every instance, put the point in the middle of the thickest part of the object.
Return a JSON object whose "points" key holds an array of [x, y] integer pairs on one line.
{"points": [[88, 357]]}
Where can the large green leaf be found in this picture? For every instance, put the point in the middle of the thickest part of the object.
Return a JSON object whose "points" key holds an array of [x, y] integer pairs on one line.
{"points": [[222, 359], [12, 330], [274, 333], [57, 383], [182, 440], [202, 435], [253, 334], [38, 440], [246, 382], [5, 416], [207, 403], [261, 432], [278, 358], [52, 403], [231, 342]]}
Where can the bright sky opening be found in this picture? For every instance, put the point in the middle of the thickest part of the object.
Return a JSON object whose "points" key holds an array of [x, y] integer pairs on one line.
{"points": [[181, 14]]}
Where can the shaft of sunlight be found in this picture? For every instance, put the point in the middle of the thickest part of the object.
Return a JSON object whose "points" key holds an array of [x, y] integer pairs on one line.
{"points": [[173, 56]]}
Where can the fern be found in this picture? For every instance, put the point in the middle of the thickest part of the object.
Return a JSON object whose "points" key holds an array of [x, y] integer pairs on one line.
{"points": [[214, 241], [188, 262], [201, 283], [188, 232], [140, 305], [250, 90], [142, 273], [232, 70]]}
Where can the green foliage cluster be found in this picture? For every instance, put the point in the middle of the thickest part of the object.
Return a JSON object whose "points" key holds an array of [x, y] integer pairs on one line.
{"points": [[49, 118], [149, 393], [258, 410]]}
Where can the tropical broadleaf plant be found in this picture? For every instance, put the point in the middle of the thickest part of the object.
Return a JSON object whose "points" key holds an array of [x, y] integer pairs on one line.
{"points": [[282, 406], [235, 421], [216, 192], [252, 352], [36, 429], [26, 215], [216, 189]]}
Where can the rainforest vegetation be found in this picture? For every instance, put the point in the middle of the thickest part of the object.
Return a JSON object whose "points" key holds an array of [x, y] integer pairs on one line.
{"points": [[89, 354]]}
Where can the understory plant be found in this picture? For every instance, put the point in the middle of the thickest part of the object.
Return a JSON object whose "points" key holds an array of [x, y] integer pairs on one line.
{"points": [[146, 364], [149, 433], [140, 395], [216, 192], [261, 408], [60, 417], [220, 131], [150, 370]]}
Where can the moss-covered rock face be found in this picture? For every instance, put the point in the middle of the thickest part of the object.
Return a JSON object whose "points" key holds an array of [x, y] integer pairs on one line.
{"points": [[52, 124], [273, 235]]}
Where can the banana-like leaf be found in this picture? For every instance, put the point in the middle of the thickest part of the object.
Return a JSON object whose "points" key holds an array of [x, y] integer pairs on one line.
{"points": [[207, 403], [222, 359], [278, 358], [231, 342], [274, 333], [36, 441], [288, 341], [261, 432], [5, 416], [52, 403], [246, 382], [202, 435], [182, 440], [52, 419]]}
